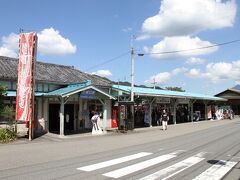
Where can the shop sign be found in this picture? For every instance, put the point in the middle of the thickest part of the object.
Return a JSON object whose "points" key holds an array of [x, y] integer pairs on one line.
{"points": [[25, 85], [183, 101], [162, 100], [88, 94]]}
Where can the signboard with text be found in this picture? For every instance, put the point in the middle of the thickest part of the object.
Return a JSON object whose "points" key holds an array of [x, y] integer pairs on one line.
{"points": [[25, 82], [162, 100], [88, 94]]}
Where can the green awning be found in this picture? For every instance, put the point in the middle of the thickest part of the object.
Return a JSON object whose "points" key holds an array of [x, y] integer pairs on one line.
{"points": [[165, 93], [13, 94], [76, 88]]}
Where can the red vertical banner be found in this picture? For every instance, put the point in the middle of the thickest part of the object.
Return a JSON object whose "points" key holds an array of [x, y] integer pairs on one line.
{"points": [[26, 72], [114, 123]]}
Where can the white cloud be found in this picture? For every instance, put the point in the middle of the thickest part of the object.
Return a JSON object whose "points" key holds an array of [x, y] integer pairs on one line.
{"points": [[194, 73], [195, 61], [9, 45], [183, 44], [11, 41], [7, 52], [218, 72], [187, 17], [179, 70], [103, 73], [162, 78], [50, 42]]}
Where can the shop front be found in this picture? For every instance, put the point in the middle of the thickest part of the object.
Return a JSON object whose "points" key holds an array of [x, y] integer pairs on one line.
{"points": [[149, 104], [71, 107]]}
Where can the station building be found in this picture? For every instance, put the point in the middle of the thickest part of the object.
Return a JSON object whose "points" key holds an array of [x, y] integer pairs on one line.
{"points": [[65, 98], [233, 98], [61, 90]]}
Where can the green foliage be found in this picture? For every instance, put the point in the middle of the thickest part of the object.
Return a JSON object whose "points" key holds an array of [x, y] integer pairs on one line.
{"points": [[3, 92], [6, 135], [9, 115], [175, 89]]}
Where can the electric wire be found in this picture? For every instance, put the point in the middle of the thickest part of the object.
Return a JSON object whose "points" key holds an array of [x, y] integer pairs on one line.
{"points": [[110, 60], [164, 52], [193, 49]]}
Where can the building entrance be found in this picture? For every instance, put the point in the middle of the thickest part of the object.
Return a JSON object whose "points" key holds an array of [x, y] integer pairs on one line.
{"points": [[54, 118]]}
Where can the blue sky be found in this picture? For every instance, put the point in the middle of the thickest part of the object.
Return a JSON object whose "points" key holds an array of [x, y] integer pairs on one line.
{"points": [[87, 33]]}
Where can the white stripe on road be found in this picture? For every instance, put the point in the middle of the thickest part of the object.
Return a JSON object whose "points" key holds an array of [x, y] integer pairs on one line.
{"points": [[113, 162], [216, 171], [175, 169], [139, 166]]}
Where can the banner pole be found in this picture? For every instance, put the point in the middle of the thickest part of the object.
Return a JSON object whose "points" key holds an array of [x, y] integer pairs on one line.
{"points": [[30, 130]]}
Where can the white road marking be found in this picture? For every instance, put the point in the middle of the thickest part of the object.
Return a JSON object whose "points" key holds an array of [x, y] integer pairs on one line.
{"points": [[139, 166], [216, 171], [175, 169], [113, 162]]}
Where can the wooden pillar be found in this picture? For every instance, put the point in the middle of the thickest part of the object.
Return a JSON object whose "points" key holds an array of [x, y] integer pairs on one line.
{"points": [[74, 117], [191, 110], [62, 117], [45, 109], [80, 114], [150, 112], [205, 108], [175, 103], [104, 116]]}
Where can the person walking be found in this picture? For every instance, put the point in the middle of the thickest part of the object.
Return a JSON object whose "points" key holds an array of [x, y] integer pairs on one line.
{"points": [[164, 119]]}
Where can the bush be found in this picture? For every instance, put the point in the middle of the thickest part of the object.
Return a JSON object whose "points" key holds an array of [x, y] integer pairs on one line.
{"points": [[8, 115], [6, 135]]}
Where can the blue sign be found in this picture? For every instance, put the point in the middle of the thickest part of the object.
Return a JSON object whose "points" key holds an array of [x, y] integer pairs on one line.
{"points": [[88, 94]]}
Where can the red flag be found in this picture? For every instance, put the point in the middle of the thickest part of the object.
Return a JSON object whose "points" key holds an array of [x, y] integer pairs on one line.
{"points": [[25, 83]]}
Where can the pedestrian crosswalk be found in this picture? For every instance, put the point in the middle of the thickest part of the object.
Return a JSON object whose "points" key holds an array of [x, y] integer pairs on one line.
{"points": [[139, 166], [215, 172], [113, 162], [176, 168]]}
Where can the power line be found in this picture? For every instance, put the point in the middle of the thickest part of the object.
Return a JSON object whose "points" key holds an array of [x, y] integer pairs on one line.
{"points": [[177, 51], [108, 61], [164, 52]]}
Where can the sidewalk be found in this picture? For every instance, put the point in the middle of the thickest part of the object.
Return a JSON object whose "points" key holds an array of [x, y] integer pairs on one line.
{"points": [[173, 130]]}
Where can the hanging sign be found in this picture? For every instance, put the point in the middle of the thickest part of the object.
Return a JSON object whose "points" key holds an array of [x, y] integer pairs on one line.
{"points": [[183, 101], [162, 100], [88, 94]]}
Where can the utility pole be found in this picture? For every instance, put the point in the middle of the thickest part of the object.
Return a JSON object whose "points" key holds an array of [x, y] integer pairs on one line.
{"points": [[132, 74], [154, 83], [132, 68], [132, 82]]}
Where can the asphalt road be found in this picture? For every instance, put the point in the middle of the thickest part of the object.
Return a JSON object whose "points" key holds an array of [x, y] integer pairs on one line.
{"points": [[203, 150]]}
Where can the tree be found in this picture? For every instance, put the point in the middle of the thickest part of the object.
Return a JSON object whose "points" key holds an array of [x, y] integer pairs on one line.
{"points": [[9, 115], [173, 88], [3, 92]]}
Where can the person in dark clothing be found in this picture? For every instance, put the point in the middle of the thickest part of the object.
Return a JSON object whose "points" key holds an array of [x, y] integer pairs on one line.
{"points": [[164, 119]]}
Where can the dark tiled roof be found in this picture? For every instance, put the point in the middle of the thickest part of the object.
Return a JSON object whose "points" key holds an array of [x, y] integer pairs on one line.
{"points": [[50, 73]]}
